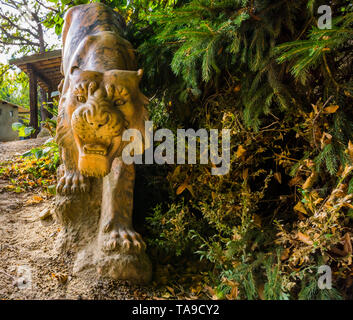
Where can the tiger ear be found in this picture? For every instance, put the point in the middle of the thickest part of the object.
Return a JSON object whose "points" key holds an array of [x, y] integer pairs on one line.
{"points": [[60, 86], [75, 70]]}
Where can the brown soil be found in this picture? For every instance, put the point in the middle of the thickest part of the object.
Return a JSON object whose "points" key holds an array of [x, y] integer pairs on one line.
{"points": [[30, 267]]}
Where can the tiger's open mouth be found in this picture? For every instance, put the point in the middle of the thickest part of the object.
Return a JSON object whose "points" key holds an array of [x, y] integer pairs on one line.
{"points": [[95, 157], [96, 149]]}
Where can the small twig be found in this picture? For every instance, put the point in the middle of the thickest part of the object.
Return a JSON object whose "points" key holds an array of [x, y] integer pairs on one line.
{"points": [[270, 125], [270, 113], [305, 28], [314, 120], [330, 73]]}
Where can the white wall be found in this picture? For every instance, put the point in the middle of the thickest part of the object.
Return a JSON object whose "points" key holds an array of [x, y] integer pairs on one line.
{"points": [[6, 121]]}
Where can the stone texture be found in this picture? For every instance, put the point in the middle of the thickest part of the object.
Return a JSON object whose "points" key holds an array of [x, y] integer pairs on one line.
{"points": [[100, 98]]}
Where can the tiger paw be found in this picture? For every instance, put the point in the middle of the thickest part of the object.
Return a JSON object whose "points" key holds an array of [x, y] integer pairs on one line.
{"points": [[125, 238], [72, 182]]}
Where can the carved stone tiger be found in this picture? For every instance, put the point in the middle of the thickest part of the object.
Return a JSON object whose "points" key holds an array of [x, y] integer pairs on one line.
{"points": [[100, 98]]}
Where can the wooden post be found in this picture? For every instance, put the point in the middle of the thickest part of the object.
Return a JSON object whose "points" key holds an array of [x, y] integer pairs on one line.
{"points": [[50, 101], [33, 100]]}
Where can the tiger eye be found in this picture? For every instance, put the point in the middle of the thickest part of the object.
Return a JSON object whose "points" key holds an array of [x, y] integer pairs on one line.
{"points": [[119, 102], [81, 99]]}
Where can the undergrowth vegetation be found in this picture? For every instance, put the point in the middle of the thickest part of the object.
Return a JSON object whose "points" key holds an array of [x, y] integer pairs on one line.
{"points": [[264, 70]]}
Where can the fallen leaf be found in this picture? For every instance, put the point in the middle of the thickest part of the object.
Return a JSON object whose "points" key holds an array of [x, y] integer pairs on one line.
{"points": [[35, 199], [331, 109], [60, 277], [278, 177], [348, 205], [245, 173], [350, 150], [309, 182], [44, 214], [211, 291], [347, 246], [171, 290], [237, 88], [300, 208], [285, 254], [240, 151], [295, 181], [304, 238], [233, 295], [181, 189]]}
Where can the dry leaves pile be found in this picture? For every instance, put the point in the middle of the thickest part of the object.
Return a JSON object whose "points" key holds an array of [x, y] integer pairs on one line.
{"points": [[28, 174]]}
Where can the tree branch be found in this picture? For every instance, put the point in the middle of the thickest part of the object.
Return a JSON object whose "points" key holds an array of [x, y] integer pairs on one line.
{"points": [[47, 7], [12, 37], [8, 5], [3, 16], [24, 26], [18, 43]]}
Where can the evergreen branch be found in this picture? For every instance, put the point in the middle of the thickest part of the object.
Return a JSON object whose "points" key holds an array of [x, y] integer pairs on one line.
{"points": [[331, 76]]}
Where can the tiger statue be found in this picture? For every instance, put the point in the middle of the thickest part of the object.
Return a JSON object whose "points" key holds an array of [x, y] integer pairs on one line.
{"points": [[100, 98]]}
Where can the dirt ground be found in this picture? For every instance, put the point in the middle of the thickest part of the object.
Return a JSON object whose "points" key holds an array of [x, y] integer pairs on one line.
{"points": [[29, 265]]}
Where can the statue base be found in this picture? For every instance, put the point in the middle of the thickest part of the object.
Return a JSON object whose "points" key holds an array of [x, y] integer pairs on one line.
{"points": [[83, 237]]}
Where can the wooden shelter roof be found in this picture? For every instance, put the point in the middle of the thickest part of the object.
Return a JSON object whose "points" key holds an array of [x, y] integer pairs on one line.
{"points": [[20, 108], [46, 66]]}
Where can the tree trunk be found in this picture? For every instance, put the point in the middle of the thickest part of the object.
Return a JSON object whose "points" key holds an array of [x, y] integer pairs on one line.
{"points": [[33, 101], [44, 113]]}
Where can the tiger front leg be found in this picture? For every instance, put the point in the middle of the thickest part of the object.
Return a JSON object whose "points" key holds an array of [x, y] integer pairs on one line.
{"points": [[117, 207]]}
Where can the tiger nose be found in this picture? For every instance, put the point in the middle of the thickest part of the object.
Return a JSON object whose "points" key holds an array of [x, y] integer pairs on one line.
{"points": [[97, 121]]}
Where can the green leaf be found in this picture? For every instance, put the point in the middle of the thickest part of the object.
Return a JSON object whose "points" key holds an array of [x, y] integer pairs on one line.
{"points": [[27, 154], [16, 126], [46, 150], [28, 131], [52, 189], [38, 154]]}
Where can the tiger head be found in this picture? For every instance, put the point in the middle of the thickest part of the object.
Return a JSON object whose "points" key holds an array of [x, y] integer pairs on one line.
{"points": [[94, 111]]}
